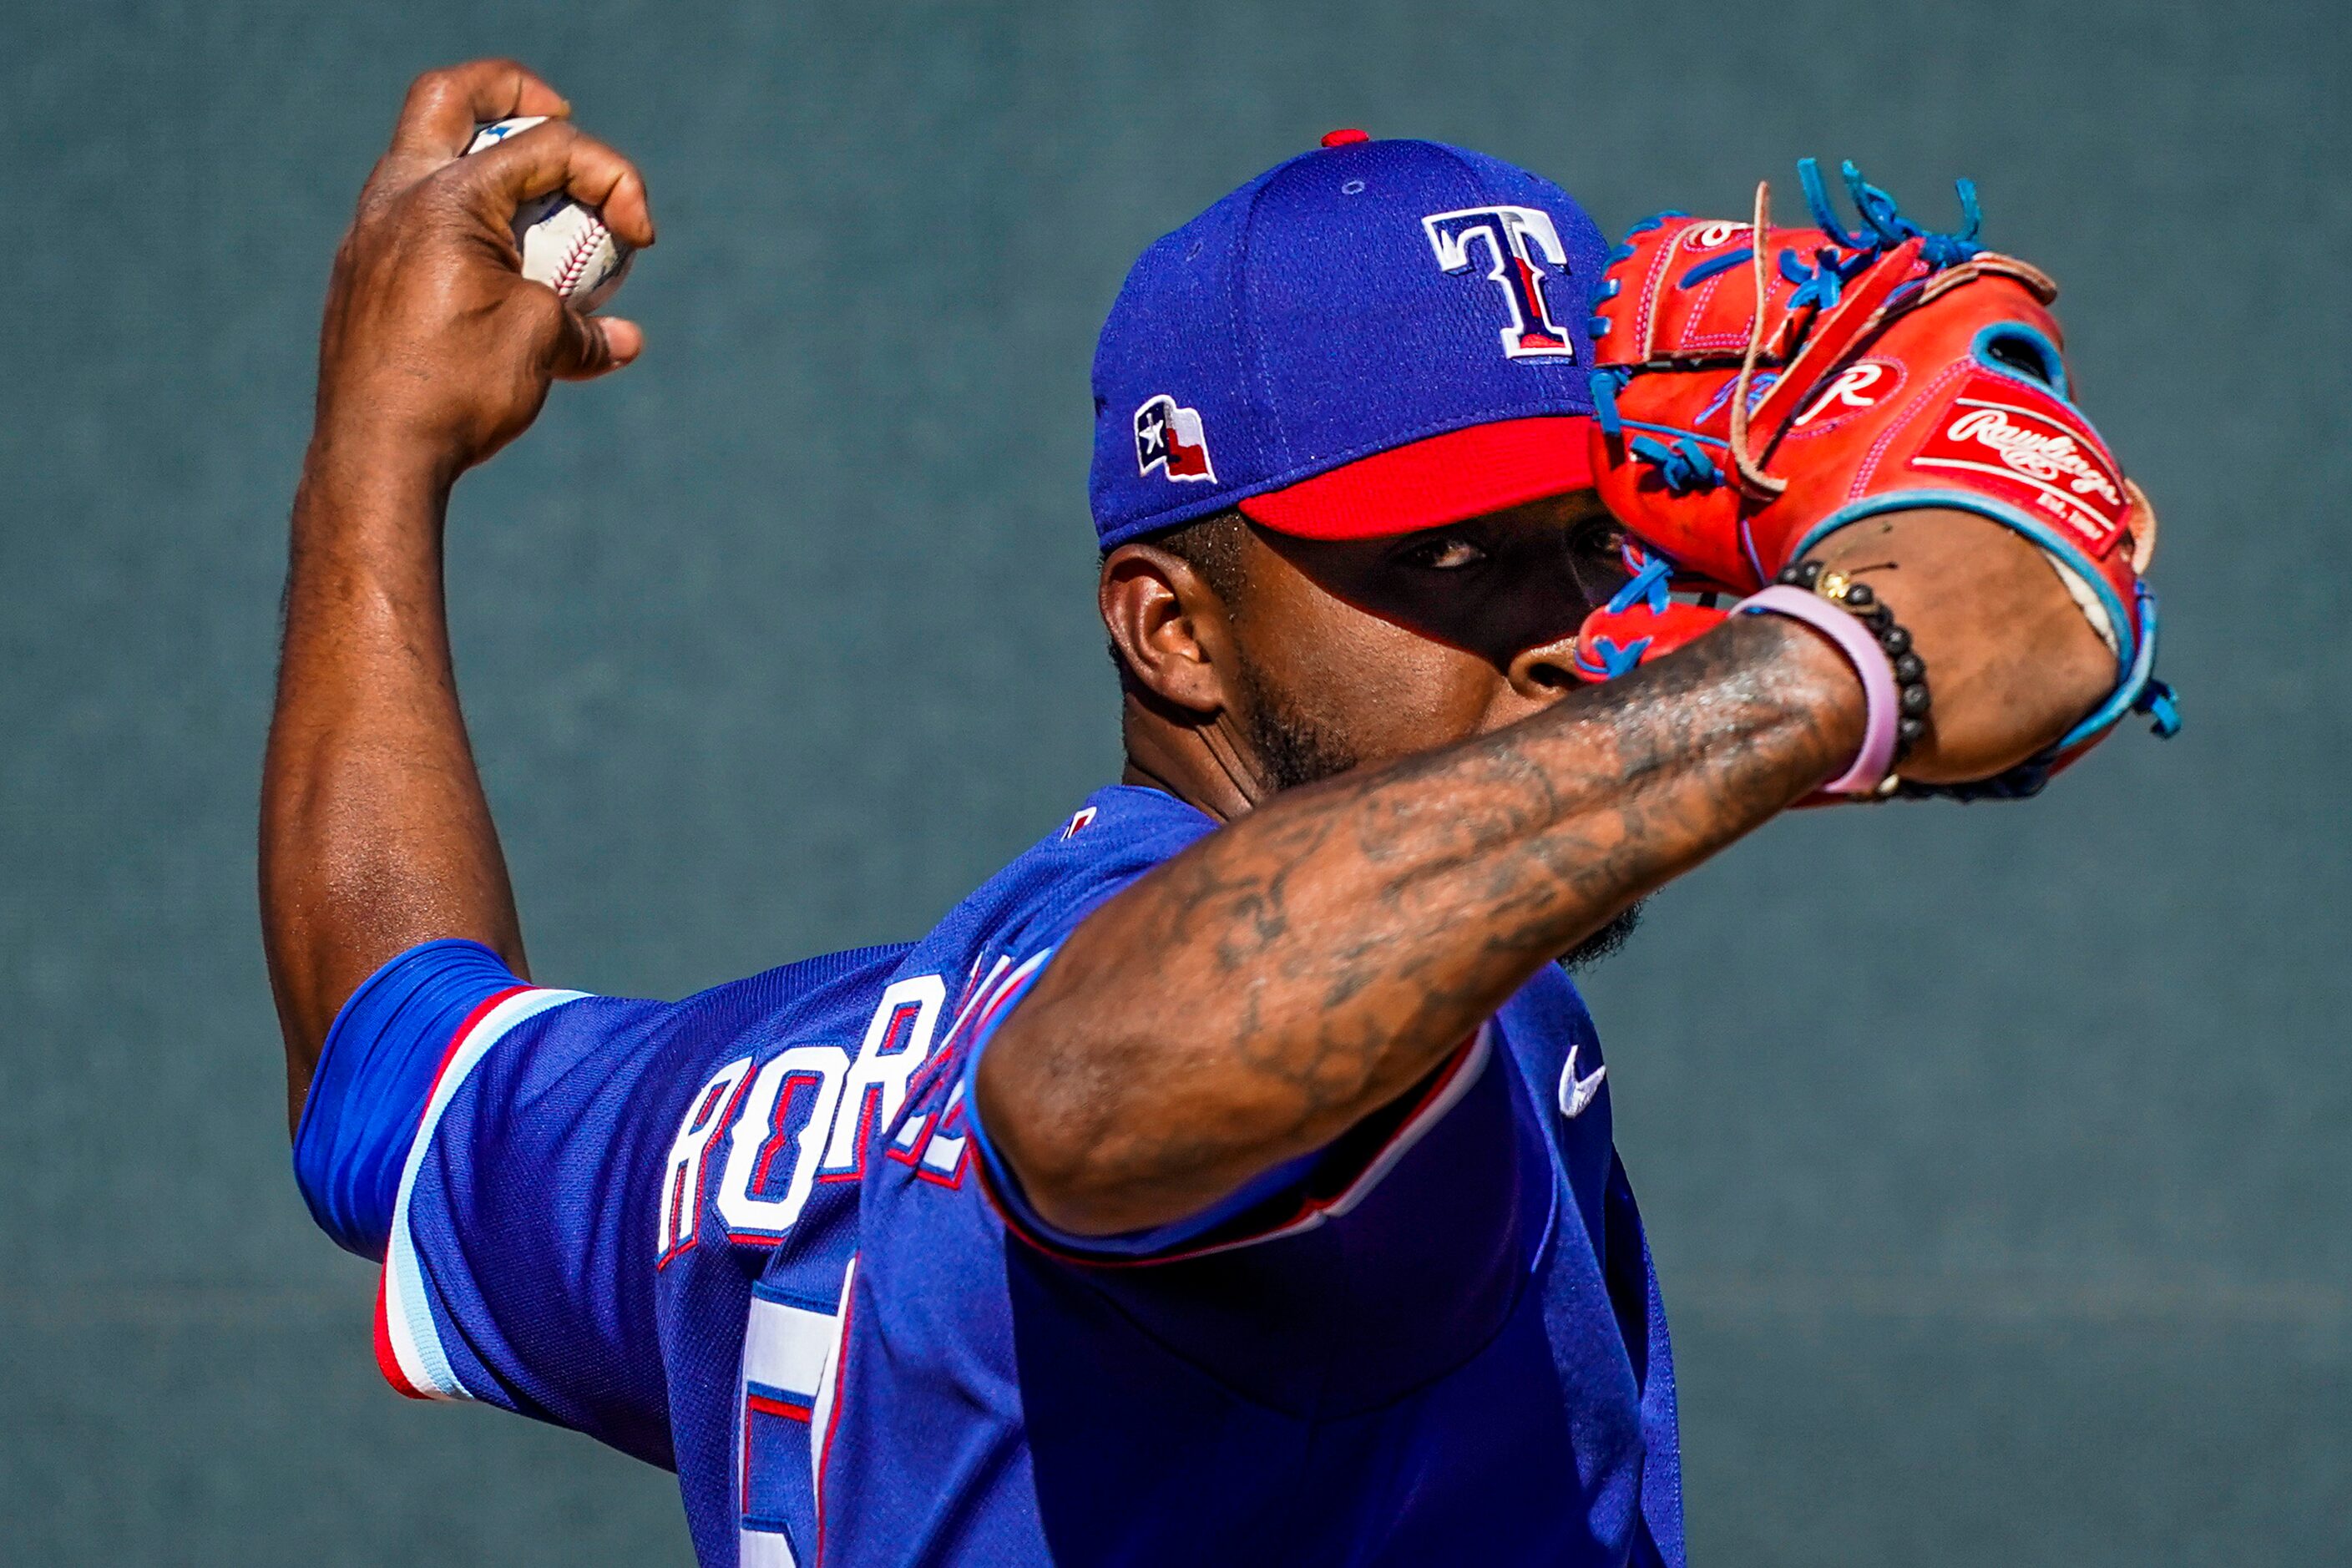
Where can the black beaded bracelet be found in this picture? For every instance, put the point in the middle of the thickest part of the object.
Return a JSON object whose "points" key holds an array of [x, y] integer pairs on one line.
{"points": [[1858, 600]]}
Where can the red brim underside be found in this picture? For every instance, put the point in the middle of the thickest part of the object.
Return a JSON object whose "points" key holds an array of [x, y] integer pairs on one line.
{"points": [[1441, 479]]}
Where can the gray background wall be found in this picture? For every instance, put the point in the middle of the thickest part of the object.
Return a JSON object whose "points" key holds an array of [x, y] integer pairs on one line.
{"points": [[1997, 1160]]}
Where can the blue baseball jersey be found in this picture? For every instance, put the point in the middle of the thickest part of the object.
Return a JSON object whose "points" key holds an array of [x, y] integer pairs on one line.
{"points": [[760, 1236]]}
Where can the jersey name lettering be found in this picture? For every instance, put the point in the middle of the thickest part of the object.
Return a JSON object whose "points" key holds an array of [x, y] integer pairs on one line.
{"points": [[897, 1041], [681, 1205], [803, 1116], [807, 1080]]}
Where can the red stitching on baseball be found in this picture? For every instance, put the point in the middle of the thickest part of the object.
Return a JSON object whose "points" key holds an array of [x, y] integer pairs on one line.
{"points": [[575, 261]]}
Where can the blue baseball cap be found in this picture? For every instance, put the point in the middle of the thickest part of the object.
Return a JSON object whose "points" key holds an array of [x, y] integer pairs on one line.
{"points": [[1372, 338]]}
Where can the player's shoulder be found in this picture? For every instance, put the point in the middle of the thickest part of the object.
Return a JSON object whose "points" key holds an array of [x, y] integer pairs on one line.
{"points": [[572, 1048], [848, 1000], [1119, 833], [1548, 1017], [1120, 826], [812, 996]]}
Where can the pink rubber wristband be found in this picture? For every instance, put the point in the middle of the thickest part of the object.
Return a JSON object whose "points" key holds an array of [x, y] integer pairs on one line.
{"points": [[1881, 698]]}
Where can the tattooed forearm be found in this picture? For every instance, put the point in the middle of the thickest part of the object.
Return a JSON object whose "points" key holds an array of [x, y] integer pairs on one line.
{"points": [[1286, 976]]}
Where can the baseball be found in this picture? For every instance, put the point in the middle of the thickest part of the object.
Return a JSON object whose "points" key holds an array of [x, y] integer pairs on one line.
{"points": [[564, 245]]}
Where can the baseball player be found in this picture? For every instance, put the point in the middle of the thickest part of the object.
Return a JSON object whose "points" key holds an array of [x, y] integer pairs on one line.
{"points": [[1228, 1179]]}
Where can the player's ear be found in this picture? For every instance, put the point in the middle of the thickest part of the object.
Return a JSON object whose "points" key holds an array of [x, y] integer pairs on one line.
{"points": [[1168, 628]]}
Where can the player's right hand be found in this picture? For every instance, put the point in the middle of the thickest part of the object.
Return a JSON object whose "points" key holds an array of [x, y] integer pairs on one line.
{"points": [[434, 342]]}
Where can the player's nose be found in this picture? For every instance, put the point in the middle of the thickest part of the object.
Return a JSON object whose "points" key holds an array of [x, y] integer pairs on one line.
{"points": [[1546, 672]]}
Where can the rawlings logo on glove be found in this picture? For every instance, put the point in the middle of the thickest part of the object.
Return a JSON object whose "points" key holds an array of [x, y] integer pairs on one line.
{"points": [[1755, 397], [1995, 434]]}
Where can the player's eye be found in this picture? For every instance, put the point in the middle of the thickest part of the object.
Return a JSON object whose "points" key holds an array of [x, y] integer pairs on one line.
{"points": [[1450, 554], [1596, 557], [1601, 537]]}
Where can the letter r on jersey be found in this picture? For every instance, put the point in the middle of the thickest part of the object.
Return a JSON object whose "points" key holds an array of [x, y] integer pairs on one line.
{"points": [[898, 1041], [1518, 241], [682, 1184]]}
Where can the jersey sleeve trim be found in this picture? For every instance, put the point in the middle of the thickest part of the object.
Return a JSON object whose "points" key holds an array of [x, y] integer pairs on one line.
{"points": [[1200, 1235], [1470, 1062], [408, 1348], [372, 1079]]}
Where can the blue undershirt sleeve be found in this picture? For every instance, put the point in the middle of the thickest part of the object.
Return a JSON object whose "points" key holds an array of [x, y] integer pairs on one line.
{"points": [[373, 1077]]}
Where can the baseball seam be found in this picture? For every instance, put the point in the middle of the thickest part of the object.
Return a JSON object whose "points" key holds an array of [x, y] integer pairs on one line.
{"points": [[576, 258]]}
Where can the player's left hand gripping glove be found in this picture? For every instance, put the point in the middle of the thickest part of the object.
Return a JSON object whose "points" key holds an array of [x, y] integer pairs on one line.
{"points": [[1887, 369]]}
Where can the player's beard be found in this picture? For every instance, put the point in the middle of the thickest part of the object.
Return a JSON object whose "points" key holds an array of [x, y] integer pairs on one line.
{"points": [[1292, 748], [1295, 748], [1604, 943]]}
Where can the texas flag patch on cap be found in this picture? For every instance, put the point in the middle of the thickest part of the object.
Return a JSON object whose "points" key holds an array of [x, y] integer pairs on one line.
{"points": [[1169, 438]]}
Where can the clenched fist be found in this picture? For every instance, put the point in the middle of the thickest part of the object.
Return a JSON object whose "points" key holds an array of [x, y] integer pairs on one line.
{"points": [[435, 345]]}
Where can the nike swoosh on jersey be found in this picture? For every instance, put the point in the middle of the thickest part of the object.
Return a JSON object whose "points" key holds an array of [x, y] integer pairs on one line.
{"points": [[1576, 1093]]}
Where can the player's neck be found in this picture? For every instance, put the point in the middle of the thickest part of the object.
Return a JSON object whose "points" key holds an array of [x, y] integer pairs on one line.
{"points": [[1201, 765]]}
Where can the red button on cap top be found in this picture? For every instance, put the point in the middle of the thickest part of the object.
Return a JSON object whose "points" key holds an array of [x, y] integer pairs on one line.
{"points": [[1341, 138]]}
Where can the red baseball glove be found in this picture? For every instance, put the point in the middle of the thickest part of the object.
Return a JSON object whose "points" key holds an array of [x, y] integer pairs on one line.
{"points": [[1754, 399]]}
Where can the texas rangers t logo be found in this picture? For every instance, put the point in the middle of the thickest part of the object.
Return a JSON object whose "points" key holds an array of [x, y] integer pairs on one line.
{"points": [[1169, 439], [1518, 241]]}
